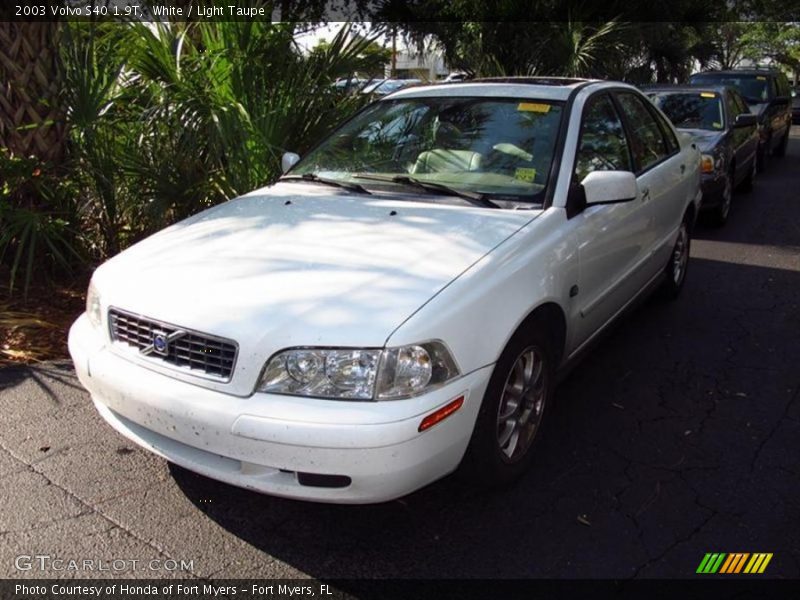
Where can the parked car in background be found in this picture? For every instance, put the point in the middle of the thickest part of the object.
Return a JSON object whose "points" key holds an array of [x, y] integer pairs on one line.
{"points": [[767, 93], [384, 87], [352, 85], [401, 301], [456, 76], [725, 131], [796, 106]]}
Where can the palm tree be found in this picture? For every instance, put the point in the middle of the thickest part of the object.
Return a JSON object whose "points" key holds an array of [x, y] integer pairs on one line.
{"points": [[170, 118], [580, 48], [30, 121]]}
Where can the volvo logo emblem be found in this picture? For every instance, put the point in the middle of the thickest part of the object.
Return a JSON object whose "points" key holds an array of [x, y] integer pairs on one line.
{"points": [[161, 342]]}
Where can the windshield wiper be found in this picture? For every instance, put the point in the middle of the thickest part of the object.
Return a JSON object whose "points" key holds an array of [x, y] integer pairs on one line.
{"points": [[429, 186], [353, 187]]}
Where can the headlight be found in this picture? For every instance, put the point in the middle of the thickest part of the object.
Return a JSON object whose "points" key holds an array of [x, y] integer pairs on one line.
{"points": [[93, 305], [411, 370], [710, 163], [358, 374], [322, 373]]}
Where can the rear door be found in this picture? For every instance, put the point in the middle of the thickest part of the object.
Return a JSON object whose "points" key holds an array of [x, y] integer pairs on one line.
{"points": [[661, 171]]}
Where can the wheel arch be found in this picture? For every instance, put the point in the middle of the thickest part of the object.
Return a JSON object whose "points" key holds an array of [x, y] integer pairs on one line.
{"points": [[690, 214], [551, 316]]}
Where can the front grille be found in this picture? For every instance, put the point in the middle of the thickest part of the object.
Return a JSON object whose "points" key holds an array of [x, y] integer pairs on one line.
{"points": [[198, 353]]}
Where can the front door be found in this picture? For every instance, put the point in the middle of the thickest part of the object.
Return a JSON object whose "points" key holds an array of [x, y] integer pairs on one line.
{"points": [[614, 239]]}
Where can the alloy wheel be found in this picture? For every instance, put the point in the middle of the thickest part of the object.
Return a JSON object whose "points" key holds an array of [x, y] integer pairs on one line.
{"points": [[680, 255], [727, 198], [522, 404]]}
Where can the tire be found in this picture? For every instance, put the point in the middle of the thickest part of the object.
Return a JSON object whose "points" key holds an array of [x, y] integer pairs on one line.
{"points": [[678, 263], [781, 149], [511, 414], [719, 216], [749, 181]]}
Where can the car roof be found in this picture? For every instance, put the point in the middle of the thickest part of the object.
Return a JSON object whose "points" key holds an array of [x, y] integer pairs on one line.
{"points": [[543, 88], [716, 89], [739, 72]]}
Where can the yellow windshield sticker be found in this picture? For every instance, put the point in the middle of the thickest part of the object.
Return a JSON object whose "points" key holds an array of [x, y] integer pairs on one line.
{"points": [[761, 78], [716, 125], [525, 174], [533, 107], [706, 95]]}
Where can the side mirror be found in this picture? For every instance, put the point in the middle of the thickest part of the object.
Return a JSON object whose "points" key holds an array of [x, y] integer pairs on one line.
{"points": [[288, 160], [609, 187], [746, 120]]}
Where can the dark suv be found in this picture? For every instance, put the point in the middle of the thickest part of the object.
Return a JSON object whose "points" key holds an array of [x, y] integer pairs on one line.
{"points": [[768, 93]]}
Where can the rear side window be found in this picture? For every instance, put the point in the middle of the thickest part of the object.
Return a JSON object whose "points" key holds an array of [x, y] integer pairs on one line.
{"points": [[602, 146], [647, 141], [669, 135]]}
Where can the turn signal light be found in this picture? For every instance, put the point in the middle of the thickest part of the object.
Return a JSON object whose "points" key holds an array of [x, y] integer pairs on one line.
{"points": [[707, 164], [441, 414]]}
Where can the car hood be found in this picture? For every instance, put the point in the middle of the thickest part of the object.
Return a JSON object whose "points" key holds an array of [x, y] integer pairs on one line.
{"points": [[298, 264], [706, 140]]}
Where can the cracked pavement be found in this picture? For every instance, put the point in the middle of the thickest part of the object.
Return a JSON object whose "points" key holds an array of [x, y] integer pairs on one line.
{"points": [[679, 434]]}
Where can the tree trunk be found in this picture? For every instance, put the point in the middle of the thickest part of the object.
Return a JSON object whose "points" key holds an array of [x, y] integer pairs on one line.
{"points": [[31, 122]]}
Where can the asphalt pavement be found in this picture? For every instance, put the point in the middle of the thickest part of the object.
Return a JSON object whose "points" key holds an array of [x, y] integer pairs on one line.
{"points": [[677, 436]]}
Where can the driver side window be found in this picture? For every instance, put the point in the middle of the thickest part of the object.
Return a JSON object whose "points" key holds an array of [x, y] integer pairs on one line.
{"points": [[602, 145]]}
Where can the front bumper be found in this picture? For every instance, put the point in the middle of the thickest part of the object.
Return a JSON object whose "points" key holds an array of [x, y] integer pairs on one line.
{"points": [[264, 441]]}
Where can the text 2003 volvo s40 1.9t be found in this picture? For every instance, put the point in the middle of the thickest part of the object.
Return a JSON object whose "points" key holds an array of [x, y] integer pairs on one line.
{"points": [[401, 301]]}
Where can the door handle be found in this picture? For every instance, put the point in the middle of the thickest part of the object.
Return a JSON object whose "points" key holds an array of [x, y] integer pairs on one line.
{"points": [[683, 168]]}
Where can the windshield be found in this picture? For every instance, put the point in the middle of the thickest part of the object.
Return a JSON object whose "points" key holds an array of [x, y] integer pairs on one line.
{"points": [[691, 110], [753, 88], [494, 147]]}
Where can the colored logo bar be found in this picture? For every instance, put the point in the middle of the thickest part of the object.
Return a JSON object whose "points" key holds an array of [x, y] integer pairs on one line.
{"points": [[733, 563]]}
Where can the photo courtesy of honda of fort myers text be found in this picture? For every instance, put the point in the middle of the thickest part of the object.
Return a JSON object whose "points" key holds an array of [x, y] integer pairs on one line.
{"points": [[108, 589]]}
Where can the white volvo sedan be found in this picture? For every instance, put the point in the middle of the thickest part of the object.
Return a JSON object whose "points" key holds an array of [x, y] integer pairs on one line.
{"points": [[399, 304]]}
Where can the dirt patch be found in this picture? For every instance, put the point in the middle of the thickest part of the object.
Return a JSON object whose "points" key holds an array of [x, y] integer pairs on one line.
{"points": [[35, 328]]}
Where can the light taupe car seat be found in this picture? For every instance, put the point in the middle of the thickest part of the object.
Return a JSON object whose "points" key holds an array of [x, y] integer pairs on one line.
{"points": [[444, 158]]}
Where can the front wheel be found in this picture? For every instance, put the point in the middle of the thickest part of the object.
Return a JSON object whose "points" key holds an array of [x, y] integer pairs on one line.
{"points": [[721, 212], [510, 418], [675, 270]]}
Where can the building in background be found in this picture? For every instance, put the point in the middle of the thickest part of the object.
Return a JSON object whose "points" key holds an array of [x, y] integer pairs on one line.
{"points": [[427, 65]]}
